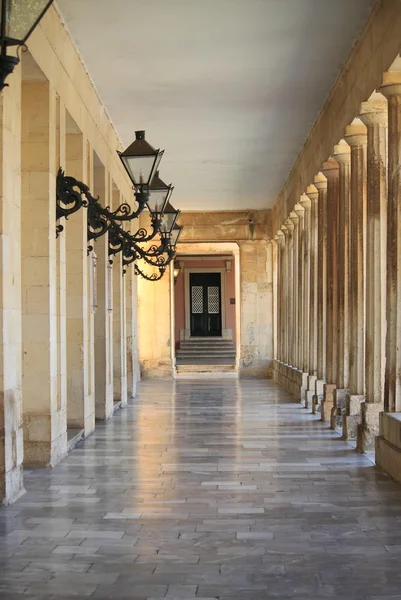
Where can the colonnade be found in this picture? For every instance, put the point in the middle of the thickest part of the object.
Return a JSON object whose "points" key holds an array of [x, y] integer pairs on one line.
{"points": [[338, 285]]}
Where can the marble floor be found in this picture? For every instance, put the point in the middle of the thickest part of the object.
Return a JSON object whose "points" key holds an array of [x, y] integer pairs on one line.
{"points": [[218, 489]]}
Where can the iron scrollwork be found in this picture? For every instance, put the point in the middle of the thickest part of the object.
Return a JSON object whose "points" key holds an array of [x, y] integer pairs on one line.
{"points": [[72, 195]]}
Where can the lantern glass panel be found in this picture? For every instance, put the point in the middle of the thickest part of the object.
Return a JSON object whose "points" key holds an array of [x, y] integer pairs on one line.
{"points": [[141, 168], [157, 201], [168, 221], [22, 16], [175, 234]]}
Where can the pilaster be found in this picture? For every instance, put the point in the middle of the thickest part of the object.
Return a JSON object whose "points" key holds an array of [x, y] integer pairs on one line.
{"points": [[11, 432], [104, 311], [80, 403], [44, 407]]}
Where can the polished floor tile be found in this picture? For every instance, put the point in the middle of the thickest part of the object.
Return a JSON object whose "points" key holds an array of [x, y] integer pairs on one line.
{"points": [[206, 490]]}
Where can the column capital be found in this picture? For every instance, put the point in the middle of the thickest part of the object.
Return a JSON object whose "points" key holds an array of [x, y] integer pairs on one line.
{"points": [[342, 153], [299, 210], [320, 181], [312, 193], [391, 84], [330, 168], [305, 202], [294, 218], [374, 111], [356, 134], [289, 225]]}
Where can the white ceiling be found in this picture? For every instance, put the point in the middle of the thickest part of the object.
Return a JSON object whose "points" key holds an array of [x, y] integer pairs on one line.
{"points": [[230, 88]]}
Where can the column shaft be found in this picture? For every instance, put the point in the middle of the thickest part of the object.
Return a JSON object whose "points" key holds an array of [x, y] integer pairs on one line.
{"points": [[392, 398], [356, 138], [295, 288], [321, 284], [302, 376], [342, 155], [331, 171], [311, 349], [374, 115]]}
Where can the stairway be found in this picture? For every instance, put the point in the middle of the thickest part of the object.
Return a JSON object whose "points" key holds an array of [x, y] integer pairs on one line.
{"points": [[206, 356]]}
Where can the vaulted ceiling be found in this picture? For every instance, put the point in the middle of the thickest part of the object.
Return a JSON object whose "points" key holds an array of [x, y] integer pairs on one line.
{"points": [[230, 88]]}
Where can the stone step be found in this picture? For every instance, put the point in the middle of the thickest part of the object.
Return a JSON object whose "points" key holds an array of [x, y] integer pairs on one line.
{"points": [[209, 371], [206, 345], [203, 346], [206, 349], [181, 354]]}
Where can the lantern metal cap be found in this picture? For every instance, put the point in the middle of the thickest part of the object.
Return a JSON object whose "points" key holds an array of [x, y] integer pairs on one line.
{"points": [[139, 147]]}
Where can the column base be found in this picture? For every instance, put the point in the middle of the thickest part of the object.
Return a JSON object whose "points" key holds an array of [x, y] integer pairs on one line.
{"points": [[388, 444], [310, 391], [318, 396], [369, 426], [352, 415], [45, 454], [336, 417], [303, 380], [290, 379], [328, 401]]}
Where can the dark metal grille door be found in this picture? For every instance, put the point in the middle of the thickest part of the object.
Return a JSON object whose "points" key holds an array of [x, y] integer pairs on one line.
{"points": [[197, 299], [205, 298], [213, 300]]}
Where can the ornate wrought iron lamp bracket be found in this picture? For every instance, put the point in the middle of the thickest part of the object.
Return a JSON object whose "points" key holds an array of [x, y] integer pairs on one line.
{"points": [[72, 195]]}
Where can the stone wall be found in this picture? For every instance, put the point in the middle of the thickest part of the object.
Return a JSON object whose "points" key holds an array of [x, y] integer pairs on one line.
{"points": [[249, 231]]}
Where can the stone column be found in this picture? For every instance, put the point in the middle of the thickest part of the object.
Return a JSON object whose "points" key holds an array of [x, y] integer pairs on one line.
{"points": [[289, 233], [392, 395], [342, 155], [331, 171], [295, 333], [305, 202], [274, 244], [356, 138], [300, 287], [312, 219], [282, 308], [321, 284], [374, 116], [285, 294], [11, 437]]}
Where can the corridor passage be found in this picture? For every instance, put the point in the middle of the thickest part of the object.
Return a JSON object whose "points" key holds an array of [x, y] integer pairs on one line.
{"points": [[209, 490]]}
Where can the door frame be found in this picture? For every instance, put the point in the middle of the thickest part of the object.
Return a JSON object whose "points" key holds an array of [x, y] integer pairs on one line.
{"points": [[187, 293]]}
